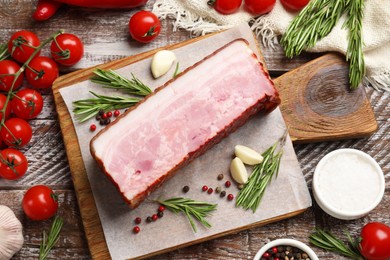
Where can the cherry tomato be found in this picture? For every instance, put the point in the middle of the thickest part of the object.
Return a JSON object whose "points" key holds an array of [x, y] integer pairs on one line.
{"points": [[9, 67], [16, 132], [259, 7], [294, 5], [22, 45], [40, 203], [27, 103], [41, 72], [67, 49], [375, 244], [144, 26], [13, 164], [3, 99], [225, 6]]}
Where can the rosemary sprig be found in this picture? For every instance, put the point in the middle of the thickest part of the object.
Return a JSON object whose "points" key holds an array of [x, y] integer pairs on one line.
{"points": [[4, 54], [85, 109], [51, 239], [251, 195], [111, 79], [326, 240], [317, 20], [197, 210]]}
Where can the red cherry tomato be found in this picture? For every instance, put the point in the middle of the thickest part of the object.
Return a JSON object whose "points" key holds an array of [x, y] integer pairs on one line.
{"points": [[41, 72], [3, 99], [259, 7], [13, 164], [27, 103], [22, 45], [9, 67], [16, 132], [225, 6], [67, 49], [294, 5], [144, 26], [40, 203], [375, 244]]}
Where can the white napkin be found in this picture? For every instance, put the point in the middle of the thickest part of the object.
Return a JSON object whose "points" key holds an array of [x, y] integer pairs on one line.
{"points": [[197, 17]]}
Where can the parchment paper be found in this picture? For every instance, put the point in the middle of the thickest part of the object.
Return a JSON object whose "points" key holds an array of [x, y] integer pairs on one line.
{"points": [[289, 189]]}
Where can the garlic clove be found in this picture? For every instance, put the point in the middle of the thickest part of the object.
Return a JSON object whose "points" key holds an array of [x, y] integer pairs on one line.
{"points": [[161, 62], [238, 171], [11, 233], [247, 155]]}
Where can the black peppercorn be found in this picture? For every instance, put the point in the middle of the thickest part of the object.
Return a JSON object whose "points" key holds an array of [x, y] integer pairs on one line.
{"points": [[222, 194], [186, 189], [149, 219], [101, 112], [220, 177], [107, 121], [98, 117], [160, 214]]}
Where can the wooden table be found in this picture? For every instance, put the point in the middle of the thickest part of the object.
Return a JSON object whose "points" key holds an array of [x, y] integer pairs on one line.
{"points": [[106, 38]]}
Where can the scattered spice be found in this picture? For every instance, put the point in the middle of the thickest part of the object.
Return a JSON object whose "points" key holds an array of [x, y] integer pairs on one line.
{"points": [[149, 219], [230, 197], [109, 114], [205, 188], [186, 189], [220, 177], [228, 184], [136, 229], [161, 208], [154, 217], [117, 113], [218, 189], [160, 214], [210, 190], [137, 220], [92, 127], [222, 194]]}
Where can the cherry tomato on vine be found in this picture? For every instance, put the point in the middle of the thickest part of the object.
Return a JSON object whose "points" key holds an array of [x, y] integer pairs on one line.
{"points": [[41, 72], [27, 103], [16, 132], [67, 49], [13, 164], [225, 6], [144, 26], [9, 67], [22, 45], [259, 7], [294, 5], [375, 243], [3, 99], [40, 203]]}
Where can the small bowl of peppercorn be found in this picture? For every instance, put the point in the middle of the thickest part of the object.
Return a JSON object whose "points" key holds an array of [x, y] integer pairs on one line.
{"points": [[285, 249]]}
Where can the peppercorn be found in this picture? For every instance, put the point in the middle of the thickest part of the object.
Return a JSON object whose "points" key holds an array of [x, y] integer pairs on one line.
{"points": [[104, 116], [230, 197], [137, 220], [228, 184], [107, 121], [204, 188], [160, 214], [186, 189], [136, 229], [109, 114], [154, 217], [101, 112], [92, 127], [223, 193], [116, 113], [98, 117], [218, 189], [101, 122], [161, 208], [220, 176], [210, 190], [149, 219]]}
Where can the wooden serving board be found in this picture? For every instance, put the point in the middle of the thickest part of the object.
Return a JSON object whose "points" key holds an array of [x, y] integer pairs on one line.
{"points": [[92, 225]]}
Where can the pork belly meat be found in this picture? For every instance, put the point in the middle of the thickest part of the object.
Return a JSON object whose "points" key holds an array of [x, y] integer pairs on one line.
{"points": [[182, 119]]}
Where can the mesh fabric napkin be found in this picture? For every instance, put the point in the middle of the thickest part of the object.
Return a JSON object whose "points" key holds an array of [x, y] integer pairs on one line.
{"points": [[197, 17]]}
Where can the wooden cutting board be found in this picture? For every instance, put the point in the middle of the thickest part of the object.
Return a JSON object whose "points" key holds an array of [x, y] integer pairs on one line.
{"points": [[311, 116]]}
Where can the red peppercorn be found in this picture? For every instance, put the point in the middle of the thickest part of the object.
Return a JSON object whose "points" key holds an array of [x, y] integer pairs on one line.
{"points": [[276, 258], [92, 127], [230, 197], [266, 255], [104, 116], [161, 208], [210, 190], [136, 229], [228, 184], [204, 188], [117, 113], [137, 220], [109, 114], [275, 250], [154, 217]]}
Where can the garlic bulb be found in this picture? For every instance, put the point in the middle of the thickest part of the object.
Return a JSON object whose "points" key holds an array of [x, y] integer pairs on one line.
{"points": [[11, 235], [161, 62]]}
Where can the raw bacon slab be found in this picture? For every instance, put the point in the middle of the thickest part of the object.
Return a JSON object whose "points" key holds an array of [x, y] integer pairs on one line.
{"points": [[182, 119]]}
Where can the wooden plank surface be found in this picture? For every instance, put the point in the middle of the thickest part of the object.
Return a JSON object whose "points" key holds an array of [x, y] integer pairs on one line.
{"points": [[49, 164]]}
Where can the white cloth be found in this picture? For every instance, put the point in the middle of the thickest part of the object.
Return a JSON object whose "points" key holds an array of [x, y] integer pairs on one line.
{"points": [[196, 16]]}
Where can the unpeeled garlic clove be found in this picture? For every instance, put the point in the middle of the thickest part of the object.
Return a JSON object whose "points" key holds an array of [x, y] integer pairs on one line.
{"points": [[161, 62], [247, 155], [238, 171]]}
